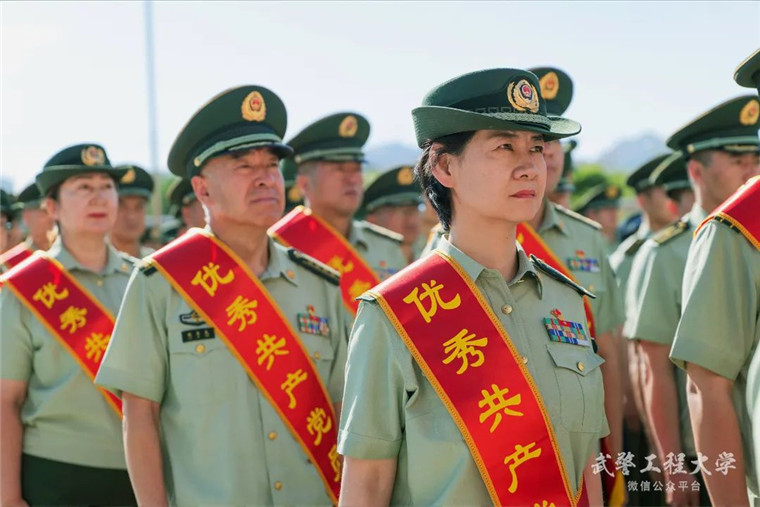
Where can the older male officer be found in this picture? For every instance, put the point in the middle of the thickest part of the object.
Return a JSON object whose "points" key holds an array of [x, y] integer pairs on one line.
{"points": [[719, 147], [229, 349], [718, 331], [135, 189]]}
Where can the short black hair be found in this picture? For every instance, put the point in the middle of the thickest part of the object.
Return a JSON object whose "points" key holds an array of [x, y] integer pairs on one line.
{"points": [[438, 195]]}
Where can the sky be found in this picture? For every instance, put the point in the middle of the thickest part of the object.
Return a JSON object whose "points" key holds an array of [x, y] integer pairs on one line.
{"points": [[74, 72]]}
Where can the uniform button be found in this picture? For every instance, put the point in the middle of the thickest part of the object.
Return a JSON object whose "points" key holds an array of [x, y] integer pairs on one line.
{"points": [[581, 366], [99, 282], [290, 274], [278, 485], [525, 359], [317, 355], [200, 348], [124, 266], [506, 309], [591, 288], [272, 435]]}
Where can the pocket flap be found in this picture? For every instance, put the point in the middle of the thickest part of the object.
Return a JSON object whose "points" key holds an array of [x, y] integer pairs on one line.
{"points": [[581, 360]]}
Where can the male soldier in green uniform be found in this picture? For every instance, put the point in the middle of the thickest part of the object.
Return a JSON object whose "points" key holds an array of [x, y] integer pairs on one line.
{"points": [[293, 195], [135, 189], [656, 214], [185, 206], [485, 173], [221, 440], [601, 204], [329, 157], [672, 176], [7, 214], [718, 164], [37, 221], [393, 201], [718, 331]]}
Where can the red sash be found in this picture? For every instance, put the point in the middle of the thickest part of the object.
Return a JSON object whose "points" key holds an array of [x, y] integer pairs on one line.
{"points": [[307, 232], [80, 323], [16, 255], [741, 211], [534, 245], [217, 285], [472, 364]]}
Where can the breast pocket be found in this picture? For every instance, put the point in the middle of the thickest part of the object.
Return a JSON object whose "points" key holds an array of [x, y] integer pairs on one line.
{"points": [[321, 353], [202, 371], [580, 386]]}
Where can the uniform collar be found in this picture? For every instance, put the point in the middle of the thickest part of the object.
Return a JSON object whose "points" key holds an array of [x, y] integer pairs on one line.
{"points": [[356, 234], [525, 268], [114, 264], [279, 264], [696, 216], [552, 218]]}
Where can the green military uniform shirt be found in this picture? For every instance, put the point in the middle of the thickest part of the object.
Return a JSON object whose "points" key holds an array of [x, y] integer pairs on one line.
{"points": [[753, 405], [566, 232], [222, 442], [719, 329], [378, 246], [390, 410], [622, 258], [579, 243], [65, 417], [653, 299]]}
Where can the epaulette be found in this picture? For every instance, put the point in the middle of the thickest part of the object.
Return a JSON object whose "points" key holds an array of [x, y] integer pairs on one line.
{"points": [[726, 222], [578, 217], [313, 265], [146, 266], [383, 232], [560, 277], [634, 247], [672, 231]]}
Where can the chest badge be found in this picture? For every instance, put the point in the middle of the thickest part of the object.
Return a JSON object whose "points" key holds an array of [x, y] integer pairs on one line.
{"points": [[311, 323], [565, 331], [192, 318], [582, 263]]}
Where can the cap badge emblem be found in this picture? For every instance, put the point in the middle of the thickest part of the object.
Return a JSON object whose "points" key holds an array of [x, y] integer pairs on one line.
{"points": [[254, 108]]}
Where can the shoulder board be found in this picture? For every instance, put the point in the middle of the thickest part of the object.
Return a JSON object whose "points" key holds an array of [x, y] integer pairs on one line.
{"points": [[313, 265], [672, 231], [560, 277], [578, 217], [146, 266], [382, 231], [437, 227], [128, 258], [634, 247], [725, 222]]}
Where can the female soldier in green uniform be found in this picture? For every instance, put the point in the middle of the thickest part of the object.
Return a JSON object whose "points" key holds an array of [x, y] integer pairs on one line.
{"points": [[61, 437], [417, 428]]}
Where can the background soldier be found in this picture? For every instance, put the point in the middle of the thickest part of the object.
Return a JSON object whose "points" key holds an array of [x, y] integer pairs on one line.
{"points": [[601, 204], [135, 189], [185, 205]]}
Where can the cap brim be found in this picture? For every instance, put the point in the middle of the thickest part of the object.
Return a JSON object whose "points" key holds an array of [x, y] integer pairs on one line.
{"points": [[55, 175], [432, 122], [132, 191]]}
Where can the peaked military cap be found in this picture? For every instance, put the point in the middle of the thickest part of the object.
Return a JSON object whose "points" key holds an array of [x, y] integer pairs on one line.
{"points": [[639, 179], [293, 196], [136, 181], [7, 203], [179, 193], [731, 126], [395, 187], [604, 195], [74, 160], [671, 173], [493, 99], [29, 198], [565, 183], [240, 118], [747, 74], [338, 137], [556, 89]]}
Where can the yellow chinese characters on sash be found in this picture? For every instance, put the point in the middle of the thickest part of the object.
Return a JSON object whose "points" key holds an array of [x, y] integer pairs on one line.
{"points": [[16, 255], [469, 359], [216, 284], [78, 321], [307, 232]]}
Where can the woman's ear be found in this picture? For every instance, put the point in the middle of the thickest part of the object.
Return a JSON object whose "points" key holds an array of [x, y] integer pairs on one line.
{"points": [[440, 165]]}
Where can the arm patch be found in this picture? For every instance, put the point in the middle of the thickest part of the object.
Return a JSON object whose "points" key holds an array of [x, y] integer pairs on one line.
{"points": [[322, 270]]}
